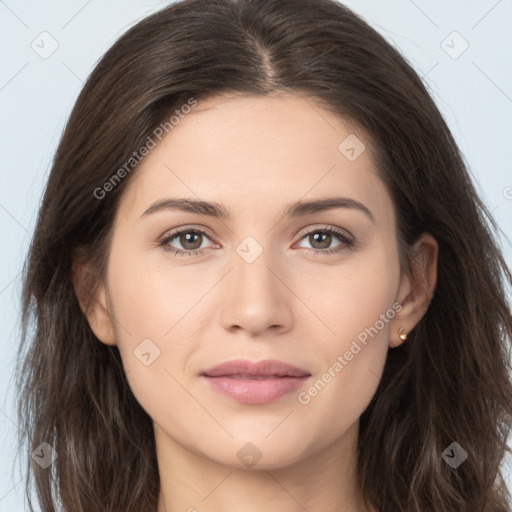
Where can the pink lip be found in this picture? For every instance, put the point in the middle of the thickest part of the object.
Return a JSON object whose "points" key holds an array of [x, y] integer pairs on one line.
{"points": [[255, 383]]}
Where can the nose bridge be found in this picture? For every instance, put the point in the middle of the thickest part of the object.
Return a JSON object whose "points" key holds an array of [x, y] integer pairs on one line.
{"points": [[252, 267], [256, 298]]}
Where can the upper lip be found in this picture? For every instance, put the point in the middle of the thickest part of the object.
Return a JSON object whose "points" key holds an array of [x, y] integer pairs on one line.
{"points": [[266, 368]]}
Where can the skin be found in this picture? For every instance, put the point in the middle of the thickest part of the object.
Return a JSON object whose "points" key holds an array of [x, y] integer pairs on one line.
{"points": [[255, 155]]}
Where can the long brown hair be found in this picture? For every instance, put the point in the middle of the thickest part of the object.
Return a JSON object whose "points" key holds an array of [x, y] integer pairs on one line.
{"points": [[449, 383]]}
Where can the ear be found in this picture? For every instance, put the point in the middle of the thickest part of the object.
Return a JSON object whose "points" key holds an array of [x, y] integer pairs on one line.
{"points": [[92, 298], [416, 291]]}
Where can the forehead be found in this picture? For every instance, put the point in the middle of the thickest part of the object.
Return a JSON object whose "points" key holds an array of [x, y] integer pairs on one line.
{"points": [[253, 152]]}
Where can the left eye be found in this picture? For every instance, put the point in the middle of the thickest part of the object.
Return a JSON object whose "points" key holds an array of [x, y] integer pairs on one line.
{"points": [[191, 241], [325, 236]]}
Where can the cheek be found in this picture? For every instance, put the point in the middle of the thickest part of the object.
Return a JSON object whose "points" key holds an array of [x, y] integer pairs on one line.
{"points": [[151, 310], [152, 298], [351, 296], [151, 306], [354, 354]]}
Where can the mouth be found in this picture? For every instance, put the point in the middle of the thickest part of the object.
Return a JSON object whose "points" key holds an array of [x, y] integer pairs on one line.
{"points": [[255, 383]]}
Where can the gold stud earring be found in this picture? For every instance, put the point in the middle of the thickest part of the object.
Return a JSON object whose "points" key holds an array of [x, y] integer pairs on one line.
{"points": [[402, 334]]}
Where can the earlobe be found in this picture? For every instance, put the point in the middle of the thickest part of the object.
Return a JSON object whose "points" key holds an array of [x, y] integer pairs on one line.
{"points": [[93, 303], [396, 339], [416, 291]]}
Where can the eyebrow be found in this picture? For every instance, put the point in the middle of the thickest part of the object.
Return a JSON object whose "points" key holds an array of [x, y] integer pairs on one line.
{"points": [[297, 209]]}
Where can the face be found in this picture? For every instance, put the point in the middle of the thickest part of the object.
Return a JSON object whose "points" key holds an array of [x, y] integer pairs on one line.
{"points": [[316, 288]]}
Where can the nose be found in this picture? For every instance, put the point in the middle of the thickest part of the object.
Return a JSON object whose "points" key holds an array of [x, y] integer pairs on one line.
{"points": [[256, 298]]}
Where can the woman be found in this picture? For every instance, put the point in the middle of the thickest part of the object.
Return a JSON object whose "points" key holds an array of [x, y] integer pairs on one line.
{"points": [[191, 352]]}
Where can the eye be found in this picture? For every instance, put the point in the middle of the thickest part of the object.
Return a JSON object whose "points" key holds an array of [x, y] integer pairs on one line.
{"points": [[190, 239], [323, 238]]}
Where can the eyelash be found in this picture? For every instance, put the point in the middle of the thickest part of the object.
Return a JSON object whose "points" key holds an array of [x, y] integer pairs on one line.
{"points": [[347, 242]]}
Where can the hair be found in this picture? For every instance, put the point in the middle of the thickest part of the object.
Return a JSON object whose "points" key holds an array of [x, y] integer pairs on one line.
{"points": [[449, 382]]}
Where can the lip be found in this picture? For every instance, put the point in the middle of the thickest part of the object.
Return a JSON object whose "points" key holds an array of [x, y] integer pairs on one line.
{"points": [[265, 368], [255, 382]]}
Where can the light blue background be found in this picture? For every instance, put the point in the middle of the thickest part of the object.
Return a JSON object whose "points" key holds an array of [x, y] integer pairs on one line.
{"points": [[473, 91]]}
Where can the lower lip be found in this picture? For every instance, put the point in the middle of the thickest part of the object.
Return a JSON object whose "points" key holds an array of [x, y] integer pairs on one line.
{"points": [[256, 392]]}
